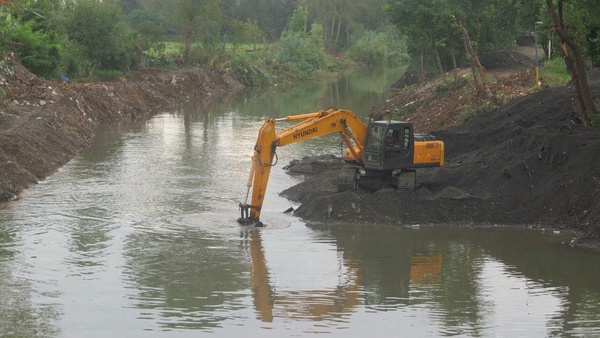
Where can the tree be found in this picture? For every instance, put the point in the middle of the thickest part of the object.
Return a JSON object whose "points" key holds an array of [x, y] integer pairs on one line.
{"points": [[425, 25], [243, 32], [99, 29], [298, 21], [28, 31], [432, 25], [197, 18], [574, 59]]}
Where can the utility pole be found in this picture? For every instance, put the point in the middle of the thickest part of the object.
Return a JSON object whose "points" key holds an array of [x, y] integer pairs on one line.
{"points": [[537, 69]]}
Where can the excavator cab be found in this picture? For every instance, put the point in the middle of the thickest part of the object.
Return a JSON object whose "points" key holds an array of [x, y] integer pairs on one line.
{"points": [[389, 146], [392, 153]]}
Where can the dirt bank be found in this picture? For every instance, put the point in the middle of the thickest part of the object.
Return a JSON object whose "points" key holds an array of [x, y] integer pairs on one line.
{"points": [[43, 124], [528, 163]]}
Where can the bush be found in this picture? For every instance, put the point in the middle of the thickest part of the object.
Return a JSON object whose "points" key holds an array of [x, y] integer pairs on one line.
{"points": [[100, 31], [377, 48], [248, 71], [37, 51], [595, 120], [297, 52]]}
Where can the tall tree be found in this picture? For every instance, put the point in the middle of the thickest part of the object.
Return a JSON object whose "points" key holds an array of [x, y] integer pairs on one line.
{"points": [[432, 26], [98, 27], [197, 19], [574, 59]]}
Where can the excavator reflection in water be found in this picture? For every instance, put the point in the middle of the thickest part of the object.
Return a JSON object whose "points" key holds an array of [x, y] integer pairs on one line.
{"points": [[336, 303]]}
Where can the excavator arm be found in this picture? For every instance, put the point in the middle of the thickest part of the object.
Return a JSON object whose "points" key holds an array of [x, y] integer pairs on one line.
{"points": [[351, 129]]}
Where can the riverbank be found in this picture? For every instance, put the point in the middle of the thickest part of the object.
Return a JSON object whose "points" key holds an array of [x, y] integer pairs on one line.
{"points": [[44, 124], [529, 163]]}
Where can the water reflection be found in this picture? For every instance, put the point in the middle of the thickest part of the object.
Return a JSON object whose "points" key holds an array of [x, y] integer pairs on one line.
{"points": [[20, 315], [333, 304], [184, 278], [470, 291], [357, 91], [573, 274]]}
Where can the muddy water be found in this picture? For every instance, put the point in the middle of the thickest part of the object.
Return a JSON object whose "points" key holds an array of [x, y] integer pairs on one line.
{"points": [[137, 237]]}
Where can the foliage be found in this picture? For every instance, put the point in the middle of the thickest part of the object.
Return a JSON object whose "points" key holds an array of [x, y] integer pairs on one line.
{"points": [[74, 61], [398, 114], [8, 24], [377, 48], [271, 16], [555, 72], [298, 21], [473, 109], [583, 20], [431, 26], [102, 35], [38, 52], [595, 120], [248, 71], [301, 51], [573, 52], [456, 84], [240, 33], [340, 18], [197, 21], [37, 49], [148, 39], [296, 52]]}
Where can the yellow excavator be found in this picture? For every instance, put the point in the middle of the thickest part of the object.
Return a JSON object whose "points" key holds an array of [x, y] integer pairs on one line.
{"points": [[382, 151]]}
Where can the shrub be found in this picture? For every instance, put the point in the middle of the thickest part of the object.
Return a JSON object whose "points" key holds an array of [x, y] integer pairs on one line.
{"points": [[377, 48], [37, 51], [297, 52]]}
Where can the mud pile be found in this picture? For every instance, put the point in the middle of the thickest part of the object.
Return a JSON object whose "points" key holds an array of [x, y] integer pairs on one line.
{"points": [[529, 163]]}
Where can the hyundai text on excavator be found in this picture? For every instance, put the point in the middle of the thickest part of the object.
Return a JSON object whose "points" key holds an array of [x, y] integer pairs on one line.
{"points": [[381, 151]]}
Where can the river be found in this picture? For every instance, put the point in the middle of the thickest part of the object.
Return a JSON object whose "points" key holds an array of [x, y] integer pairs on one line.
{"points": [[137, 237]]}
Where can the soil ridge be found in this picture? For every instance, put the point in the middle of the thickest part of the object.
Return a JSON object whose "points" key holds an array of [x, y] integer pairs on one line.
{"points": [[44, 124]]}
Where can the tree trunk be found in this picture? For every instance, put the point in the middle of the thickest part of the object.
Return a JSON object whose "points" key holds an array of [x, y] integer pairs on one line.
{"points": [[422, 77], [575, 65], [337, 35], [348, 35], [326, 34], [332, 25], [454, 65], [438, 60], [476, 67], [189, 32]]}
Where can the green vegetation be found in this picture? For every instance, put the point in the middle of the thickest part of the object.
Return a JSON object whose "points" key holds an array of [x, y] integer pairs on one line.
{"points": [[595, 120], [258, 41], [273, 41], [555, 72], [470, 110], [398, 114]]}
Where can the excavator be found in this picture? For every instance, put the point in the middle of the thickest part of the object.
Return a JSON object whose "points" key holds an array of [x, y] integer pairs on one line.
{"points": [[382, 151]]}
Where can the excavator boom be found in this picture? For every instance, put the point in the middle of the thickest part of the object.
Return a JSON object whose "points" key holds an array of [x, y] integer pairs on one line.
{"points": [[351, 129]]}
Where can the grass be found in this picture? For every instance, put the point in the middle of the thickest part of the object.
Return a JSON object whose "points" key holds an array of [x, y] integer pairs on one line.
{"points": [[555, 72]]}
